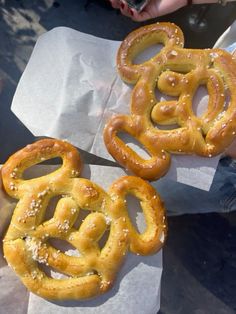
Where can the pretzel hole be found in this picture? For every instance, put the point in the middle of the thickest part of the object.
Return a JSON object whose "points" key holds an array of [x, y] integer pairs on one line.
{"points": [[135, 145], [64, 247], [163, 97], [147, 53], [102, 242], [227, 96], [51, 272], [82, 215], [42, 169], [227, 99], [200, 101], [50, 210], [166, 127], [136, 213]]}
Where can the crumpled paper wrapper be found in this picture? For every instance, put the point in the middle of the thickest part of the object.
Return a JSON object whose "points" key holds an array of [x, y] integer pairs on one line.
{"points": [[70, 88], [138, 280]]}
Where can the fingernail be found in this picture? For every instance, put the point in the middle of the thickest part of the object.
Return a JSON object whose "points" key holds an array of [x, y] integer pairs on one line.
{"points": [[122, 5]]}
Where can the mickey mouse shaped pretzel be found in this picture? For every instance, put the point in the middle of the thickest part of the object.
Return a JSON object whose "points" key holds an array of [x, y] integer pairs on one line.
{"points": [[27, 241], [176, 72]]}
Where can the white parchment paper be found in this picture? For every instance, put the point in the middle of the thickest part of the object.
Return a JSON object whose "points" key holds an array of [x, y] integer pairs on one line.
{"points": [[138, 280], [70, 88]]}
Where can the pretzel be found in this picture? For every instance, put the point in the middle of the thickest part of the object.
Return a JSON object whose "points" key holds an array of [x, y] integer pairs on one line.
{"points": [[178, 72], [26, 244]]}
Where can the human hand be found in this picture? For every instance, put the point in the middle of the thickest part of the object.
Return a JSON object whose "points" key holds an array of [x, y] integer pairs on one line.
{"points": [[153, 9]]}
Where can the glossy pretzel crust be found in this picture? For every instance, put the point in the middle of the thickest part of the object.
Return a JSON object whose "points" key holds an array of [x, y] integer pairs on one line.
{"points": [[27, 244], [177, 72]]}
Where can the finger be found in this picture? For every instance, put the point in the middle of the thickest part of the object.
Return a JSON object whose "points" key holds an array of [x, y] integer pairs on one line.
{"points": [[125, 10], [115, 4], [155, 9]]}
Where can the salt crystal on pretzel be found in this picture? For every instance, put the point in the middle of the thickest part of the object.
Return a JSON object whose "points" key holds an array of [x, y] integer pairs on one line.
{"points": [[178, 72], [27, 241]]}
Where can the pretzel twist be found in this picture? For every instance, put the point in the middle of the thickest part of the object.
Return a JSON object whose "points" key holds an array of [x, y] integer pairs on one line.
{"points": [[177, 72], [27, 241]]}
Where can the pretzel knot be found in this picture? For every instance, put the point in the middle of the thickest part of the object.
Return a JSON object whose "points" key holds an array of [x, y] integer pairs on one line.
{"points": [[176, 72], [27, 244]]}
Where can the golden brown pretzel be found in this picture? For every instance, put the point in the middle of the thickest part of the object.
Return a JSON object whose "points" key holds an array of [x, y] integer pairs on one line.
{"points": [[178, 72], [26, 244]]}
